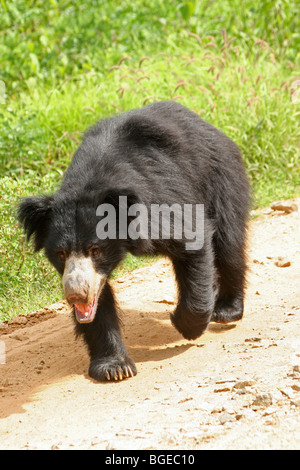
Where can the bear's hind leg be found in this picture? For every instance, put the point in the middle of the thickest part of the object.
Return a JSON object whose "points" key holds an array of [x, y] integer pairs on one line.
{"points": [[195, 275], [229, 309], [231, 270]]}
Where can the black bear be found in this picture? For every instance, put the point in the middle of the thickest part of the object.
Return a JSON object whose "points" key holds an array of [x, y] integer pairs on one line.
{"points": [[160, 156]]}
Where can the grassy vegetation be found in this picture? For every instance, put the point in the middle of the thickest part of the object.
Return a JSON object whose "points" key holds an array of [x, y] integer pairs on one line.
{"points": [[69, 63]]}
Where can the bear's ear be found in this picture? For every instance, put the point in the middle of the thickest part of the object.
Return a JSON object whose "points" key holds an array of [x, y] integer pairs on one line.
{"points": [[144, 131], [34, 214]]}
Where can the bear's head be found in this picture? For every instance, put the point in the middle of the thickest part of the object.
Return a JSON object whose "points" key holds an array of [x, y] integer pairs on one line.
{"points": [[82, 237]]}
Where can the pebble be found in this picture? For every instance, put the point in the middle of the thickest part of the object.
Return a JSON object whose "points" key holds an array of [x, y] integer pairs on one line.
{"points": [[223, 388], [263, 399], [256, 261], [252, 340], [226, 418], [167, 299], [243, 384], [282, 262]]}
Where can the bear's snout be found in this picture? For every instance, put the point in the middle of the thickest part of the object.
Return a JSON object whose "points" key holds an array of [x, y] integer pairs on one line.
{"points": [[81, 282], [75, 296]]}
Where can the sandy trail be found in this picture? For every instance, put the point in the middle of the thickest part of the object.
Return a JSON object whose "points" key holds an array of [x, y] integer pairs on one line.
{"points": [[236, 387]]}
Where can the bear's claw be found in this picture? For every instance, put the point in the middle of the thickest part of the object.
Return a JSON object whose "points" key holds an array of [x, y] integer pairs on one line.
{"points": [[114, 369]]}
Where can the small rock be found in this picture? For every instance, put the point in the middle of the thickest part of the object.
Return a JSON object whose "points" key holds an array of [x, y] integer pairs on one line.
{"points": [[239, 416], [263, 399], [167, 299], [252, 340], [38, 369], [288, 392], [243, 384], [226, 418], [223, 388], [282, 262], [185, 399], [225, 381], [56, 446]]}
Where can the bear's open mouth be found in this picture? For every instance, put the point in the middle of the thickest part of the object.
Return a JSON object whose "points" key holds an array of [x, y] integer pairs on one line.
{"points": [[85, 313]]}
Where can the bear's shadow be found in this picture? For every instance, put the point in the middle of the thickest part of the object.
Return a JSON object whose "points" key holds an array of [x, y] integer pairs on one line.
{"points": [[150, 336]]}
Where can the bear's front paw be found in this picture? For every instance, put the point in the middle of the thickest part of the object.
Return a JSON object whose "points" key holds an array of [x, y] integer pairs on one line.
{"points": [[113, 368], [190, 325]]}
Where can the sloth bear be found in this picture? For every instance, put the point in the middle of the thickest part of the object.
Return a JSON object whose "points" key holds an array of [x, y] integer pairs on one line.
{"points": [[162, 155]]}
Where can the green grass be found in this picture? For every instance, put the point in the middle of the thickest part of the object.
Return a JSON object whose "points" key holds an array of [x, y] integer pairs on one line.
{"points": [[72, 63]]}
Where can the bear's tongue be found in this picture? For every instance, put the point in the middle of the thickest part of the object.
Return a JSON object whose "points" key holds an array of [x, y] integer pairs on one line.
{"points": [[85, 312]]}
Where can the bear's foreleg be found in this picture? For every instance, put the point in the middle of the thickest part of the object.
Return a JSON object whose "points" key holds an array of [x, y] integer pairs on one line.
{"points": [[109, 358]]}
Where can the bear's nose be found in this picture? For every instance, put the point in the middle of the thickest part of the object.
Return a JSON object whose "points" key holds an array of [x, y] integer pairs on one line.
{"points": [[77, 299], [75, 291]]}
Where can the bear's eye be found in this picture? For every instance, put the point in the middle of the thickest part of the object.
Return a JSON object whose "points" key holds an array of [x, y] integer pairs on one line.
{"points": [[94, 251], [61, 254]]}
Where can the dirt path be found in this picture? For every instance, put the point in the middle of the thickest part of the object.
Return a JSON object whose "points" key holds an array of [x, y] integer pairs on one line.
{"points": [[236, 387]]}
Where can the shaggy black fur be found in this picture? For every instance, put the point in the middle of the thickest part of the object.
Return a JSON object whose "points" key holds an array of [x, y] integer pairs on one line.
{"points": [[162, 153]]}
